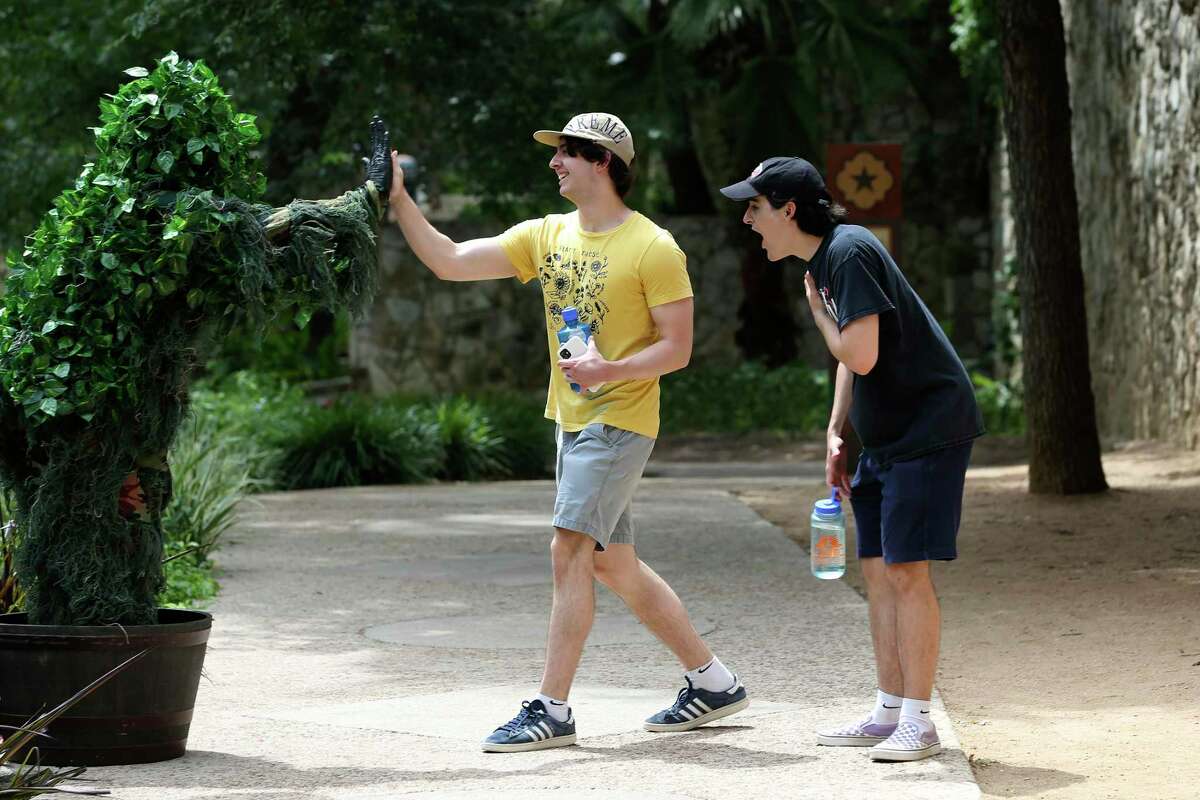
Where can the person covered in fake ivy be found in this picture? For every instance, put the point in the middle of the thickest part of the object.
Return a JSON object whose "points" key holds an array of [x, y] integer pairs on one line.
{"points": [[912, 404], [627, 280], [161, 247]]}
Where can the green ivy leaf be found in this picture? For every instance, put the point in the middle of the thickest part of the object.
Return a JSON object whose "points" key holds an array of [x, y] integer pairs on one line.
{"points": [[62, 370], [194, 145], [49, 407], [165, 160], [142, 293], [137, 72], [49, 327], [194, 298]]}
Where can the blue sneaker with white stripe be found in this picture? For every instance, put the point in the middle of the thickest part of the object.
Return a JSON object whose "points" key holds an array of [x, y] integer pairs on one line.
{"points": [[695, 707], [531, 729]]}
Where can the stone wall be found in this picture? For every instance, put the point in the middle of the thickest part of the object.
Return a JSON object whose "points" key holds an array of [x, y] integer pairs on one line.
{"points": [[1134, 69]]}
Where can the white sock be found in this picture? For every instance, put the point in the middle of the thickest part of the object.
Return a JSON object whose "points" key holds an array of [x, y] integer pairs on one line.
{"points": [[887, 708], [916, 712], [555, 708], [712, 677]]}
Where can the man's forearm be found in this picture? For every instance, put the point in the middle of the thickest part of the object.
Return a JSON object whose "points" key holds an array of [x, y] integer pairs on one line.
{"points": [[832, 336], [843, 395], [658, 359], [432, 247]]}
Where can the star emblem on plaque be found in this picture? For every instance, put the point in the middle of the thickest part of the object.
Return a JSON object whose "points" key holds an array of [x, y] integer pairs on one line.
{"points": [[864, 177], [865, 181]]}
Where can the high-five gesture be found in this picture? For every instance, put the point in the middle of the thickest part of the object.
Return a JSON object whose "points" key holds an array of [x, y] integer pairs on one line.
{"points": [[379, 165]]}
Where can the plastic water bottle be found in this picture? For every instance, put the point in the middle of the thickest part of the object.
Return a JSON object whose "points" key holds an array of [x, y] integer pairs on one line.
{"points": [[573, 340], [827, 546]]}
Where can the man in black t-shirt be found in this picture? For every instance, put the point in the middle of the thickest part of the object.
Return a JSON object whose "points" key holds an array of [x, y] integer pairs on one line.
{"points": [[911, 402]]}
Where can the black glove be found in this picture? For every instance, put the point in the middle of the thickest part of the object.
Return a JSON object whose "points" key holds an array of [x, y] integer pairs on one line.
{"points": [[379, 165]]}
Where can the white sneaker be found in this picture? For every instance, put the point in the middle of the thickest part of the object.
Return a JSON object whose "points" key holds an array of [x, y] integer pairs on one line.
{"points": [[910, 742]]}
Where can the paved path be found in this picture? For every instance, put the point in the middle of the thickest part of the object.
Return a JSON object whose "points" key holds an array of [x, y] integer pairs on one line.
{"points": [[367, 639]]}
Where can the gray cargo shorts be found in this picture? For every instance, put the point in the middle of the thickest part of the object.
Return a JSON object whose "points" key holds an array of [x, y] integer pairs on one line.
{"points": [[597, 472]]}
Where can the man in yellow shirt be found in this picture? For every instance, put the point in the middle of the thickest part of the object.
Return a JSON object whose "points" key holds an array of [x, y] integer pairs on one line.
{"points": [[627, 281]]}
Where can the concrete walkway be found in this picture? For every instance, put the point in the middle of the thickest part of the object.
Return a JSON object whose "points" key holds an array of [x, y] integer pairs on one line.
{"points": [[366, 640]]}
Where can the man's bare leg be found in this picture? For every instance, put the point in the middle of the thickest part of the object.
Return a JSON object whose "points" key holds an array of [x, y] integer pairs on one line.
{"points": [[653, 602], [573, 611]]}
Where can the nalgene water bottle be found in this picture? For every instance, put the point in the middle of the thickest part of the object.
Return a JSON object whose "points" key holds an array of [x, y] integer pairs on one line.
{"points": [[827, 548], [573, 340]]}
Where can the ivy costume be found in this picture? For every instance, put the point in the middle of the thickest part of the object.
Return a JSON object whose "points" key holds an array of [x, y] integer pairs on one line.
{"points": [[161, 247]]}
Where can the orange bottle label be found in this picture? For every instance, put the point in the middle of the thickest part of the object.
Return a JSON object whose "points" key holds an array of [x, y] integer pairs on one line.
{"points": [[828, 548]]}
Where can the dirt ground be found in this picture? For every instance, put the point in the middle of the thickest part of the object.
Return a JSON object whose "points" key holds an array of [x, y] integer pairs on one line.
{"points": [[1071, 625]]}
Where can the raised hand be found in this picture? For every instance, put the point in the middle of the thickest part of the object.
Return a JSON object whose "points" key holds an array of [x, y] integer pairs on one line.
{"points": [[379, 165]]}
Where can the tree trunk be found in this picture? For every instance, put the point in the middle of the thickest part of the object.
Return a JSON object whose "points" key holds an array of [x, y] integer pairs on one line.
{"points": [[1060, 409]]}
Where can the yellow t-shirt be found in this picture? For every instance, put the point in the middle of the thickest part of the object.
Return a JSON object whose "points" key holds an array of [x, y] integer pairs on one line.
{"points": [[613, 278]]}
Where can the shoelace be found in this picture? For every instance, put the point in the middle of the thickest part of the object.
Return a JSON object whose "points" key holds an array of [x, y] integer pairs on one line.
{"points": [[517, 722], [682, 699]]}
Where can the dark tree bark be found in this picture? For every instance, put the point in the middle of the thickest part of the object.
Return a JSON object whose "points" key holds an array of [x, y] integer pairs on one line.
{"points": [[1060, 409]]}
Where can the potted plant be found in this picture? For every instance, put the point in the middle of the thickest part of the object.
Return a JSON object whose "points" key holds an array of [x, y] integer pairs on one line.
{"points": [[160, 247]]}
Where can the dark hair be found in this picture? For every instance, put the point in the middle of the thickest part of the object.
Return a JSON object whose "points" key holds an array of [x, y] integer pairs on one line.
{"points": [[620, 172], [816, 218]]}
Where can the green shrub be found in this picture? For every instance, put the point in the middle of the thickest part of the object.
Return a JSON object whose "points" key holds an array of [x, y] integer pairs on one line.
{"points": [[527, 437], [189, 582], [10, 590], [1002, 404], [353, 442], [471, 450], [284, 350], [401, 438], [748, 397]]}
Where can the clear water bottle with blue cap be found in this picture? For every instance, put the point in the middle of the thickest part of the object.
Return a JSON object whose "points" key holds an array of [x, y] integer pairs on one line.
{"points": [[827, 545], [573, 340]]}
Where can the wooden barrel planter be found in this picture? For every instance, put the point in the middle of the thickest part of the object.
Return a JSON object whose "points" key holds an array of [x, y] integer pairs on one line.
{"points": [[141, 715]]}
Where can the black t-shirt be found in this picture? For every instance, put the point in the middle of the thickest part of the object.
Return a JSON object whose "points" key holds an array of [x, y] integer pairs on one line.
{"points": [[918, 397]]}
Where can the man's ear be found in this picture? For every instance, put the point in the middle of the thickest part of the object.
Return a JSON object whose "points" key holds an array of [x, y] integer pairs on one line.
{"points": [[789, 210]]}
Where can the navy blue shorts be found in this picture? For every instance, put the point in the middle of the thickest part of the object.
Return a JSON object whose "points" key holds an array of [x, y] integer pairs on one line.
{"points": [[910, 511]]}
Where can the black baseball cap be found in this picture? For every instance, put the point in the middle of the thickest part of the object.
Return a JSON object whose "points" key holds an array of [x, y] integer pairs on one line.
{"points": [[781, 178]]}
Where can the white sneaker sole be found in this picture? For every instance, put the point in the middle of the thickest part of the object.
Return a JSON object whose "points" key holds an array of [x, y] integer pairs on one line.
{"points": [[553, 741], [888, 754], [829, 740], [703, 719]]}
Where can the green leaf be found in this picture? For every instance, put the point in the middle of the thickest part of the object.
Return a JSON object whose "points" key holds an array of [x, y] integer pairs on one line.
{"points": [[302, 317], [194, 298], [172, 110], [142, 294], [194, 145], [165, 286], [165, 160], [127, 206], [109, 260], [62, 370], [49, 407], [49, 326], [137, 72], [104, 179]]}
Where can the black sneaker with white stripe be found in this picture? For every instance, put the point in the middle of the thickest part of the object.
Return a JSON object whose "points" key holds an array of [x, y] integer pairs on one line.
{"points": [[695, 707], [531, 729]]}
